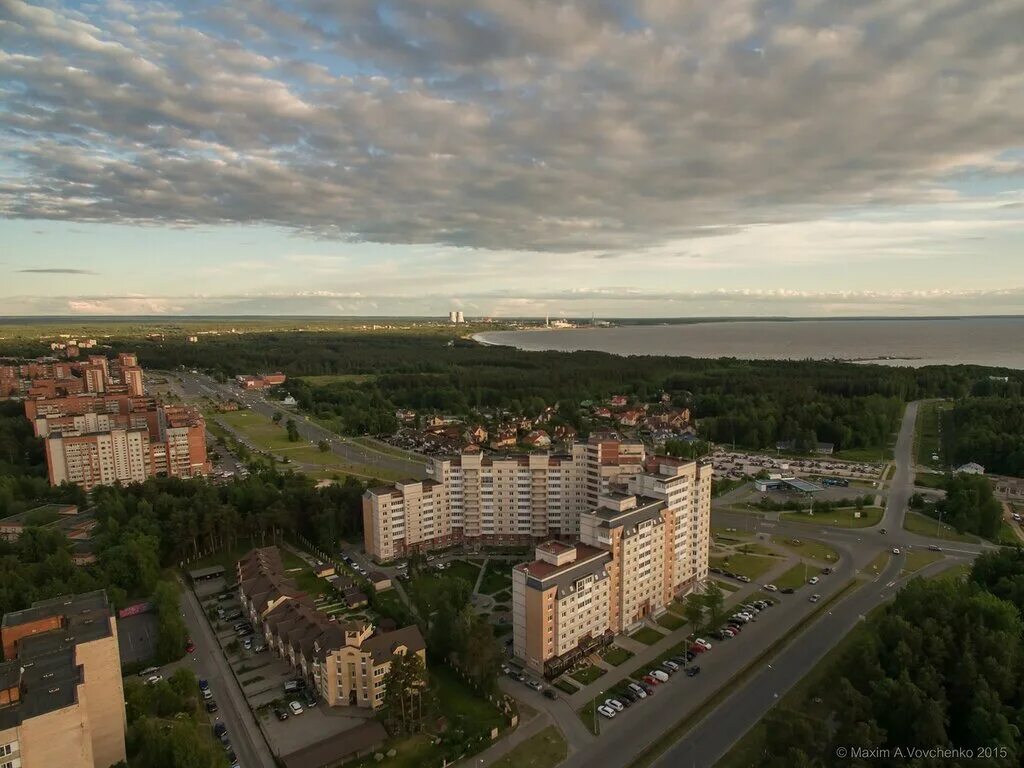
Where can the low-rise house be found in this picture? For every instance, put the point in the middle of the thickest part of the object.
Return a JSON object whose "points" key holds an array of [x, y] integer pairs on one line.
{"points": [[538, 439]]}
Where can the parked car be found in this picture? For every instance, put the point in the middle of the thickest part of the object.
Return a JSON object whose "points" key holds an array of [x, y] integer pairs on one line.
{"points": [[614, 704], [549, 693], [692, 671], [149, 671], [309, 698], [813, 580], [219, 730], [814, 598], [826, 571], [606, 711], [787, 591], [207, 694], [535, 685], [154, 679], [247, 643], [771, 588], [295, 707], [280, 713], [895, 550], [657, 674], [189, 646], [203, 685], [648, 688], [744, 579], [211, 706], [670, 664], [638, 690], [650, 680], [934, 547], [702, 641]]}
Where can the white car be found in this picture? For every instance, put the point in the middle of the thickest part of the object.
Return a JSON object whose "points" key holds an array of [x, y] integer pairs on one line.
{"points": [[657, 674], [814, 598], [154, 679], [771, 588], [614, 704], [895, 550], [702, 641], [295, 707], [814, 579], [606, 711], [638, 690]]}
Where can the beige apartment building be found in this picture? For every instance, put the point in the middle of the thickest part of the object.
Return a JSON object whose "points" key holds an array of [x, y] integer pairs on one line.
{"points": [[495, 500], [345, 662], [98, 458], [61, 697], [639, 549]]}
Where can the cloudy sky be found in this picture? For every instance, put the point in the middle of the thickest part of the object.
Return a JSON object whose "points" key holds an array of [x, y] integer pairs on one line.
{"points": [[512, 157]]}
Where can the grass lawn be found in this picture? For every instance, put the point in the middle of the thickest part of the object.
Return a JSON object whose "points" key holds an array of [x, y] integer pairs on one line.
{"points": [[878, 565], [413, 752], [497, 578], [918, 559], [757, 549], [930, 480], [586, 675], [727, 586], [956, 573], [647, 636], [842, 518], [815, 550], [1006, 535], [866, 455], [263, 432], [458, 702], [670, 621], [544, 750], [565, 686], [926, 526], [462, 570], [751, 566], [928, 433], [795, 578], [614, 655]]}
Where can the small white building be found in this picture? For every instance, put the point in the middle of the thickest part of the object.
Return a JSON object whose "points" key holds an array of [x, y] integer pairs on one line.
{"points": [[970, 468]]}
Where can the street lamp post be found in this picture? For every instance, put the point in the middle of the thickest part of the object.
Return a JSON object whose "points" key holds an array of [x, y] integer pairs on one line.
{"points": [[596, 730]]}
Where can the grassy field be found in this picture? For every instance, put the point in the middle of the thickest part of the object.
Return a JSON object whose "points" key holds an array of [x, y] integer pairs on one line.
{"points": [[566, 686], [928, 437], [727, 586], [670, 621], [917, 523], [957, 572], [841, 518], [757, 549], [496, 579], [263, 432], [878, 565], [929, 480], [545, 750], [647, 636], [463, 570], [814, 550], [795, 577], [866, 455], [751, 566], [615, 655], [918, 559], [586, 675]]}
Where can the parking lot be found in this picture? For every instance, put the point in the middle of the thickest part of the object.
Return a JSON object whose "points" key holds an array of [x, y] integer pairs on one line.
{"points": [[261, 676]]}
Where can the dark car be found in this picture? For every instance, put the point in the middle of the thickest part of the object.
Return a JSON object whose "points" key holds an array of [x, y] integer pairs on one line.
{"points": [[648, 688], [692, 671], [690, 656], [787, 591], [280, 713], [309, 698], [826, 571], [211, 706], [550, 693], [219, 730]]}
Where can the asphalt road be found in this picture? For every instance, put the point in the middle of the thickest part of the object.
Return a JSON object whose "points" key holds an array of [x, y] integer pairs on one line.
{"points": [[196, 385], [209, 663], [714, 736], [625, 737]]}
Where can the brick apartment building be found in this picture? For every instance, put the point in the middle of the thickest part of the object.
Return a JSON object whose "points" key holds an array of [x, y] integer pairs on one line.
{"points": [[638, 550], [511, 500], [61, 696], [104, 429], [344, 662]]}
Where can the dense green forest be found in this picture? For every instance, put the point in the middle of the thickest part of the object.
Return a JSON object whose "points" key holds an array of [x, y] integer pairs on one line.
{"points": [[943, 666], [750, 403], [988, 427]]}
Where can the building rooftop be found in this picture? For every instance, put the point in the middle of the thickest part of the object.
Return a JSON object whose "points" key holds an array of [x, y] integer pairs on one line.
{"points": [[555, 547], [646, 509], [586, 557]]}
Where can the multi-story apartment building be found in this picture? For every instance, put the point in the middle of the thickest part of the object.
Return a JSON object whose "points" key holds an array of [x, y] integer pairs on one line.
{"points": [[639, 549], [507, 500], [345, 662], [112, 432], [61, 697]]}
